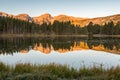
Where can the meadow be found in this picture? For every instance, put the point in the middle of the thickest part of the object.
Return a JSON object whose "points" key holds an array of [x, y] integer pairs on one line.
{"points": [[57, 72]]}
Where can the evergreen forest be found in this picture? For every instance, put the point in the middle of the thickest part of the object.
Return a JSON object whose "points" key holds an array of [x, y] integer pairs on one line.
{"points": [[15, 26]]}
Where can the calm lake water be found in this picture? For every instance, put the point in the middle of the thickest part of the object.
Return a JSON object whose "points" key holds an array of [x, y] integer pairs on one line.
{"points": [[72, 51]]}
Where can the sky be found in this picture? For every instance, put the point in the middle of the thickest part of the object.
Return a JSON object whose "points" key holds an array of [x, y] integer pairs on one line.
{"points": [[77, 8]]}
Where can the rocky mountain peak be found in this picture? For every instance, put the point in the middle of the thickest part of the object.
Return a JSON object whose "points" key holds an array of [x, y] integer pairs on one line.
{"points": [[45, 15], [3, 14], [24, 16], [45, 18]]}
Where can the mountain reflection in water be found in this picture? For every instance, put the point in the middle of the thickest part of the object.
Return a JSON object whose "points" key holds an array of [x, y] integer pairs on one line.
{"points": [[77, 51], [59, 44]]}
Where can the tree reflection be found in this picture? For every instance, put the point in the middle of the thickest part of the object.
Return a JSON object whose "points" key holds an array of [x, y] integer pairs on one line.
{"points": [[18, 44]]}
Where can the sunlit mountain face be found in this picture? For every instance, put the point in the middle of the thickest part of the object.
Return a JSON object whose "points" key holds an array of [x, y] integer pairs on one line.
{"points": [[48, 18], [59, 44]]}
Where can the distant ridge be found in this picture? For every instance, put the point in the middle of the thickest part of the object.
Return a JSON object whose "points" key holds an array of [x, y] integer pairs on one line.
{"points": [[47, 18]]}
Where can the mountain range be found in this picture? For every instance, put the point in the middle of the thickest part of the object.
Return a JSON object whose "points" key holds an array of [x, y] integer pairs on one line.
{"points": [[47, 18]]}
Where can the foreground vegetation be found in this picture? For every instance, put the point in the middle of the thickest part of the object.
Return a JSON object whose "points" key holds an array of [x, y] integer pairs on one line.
{"points": [[56, 72]]}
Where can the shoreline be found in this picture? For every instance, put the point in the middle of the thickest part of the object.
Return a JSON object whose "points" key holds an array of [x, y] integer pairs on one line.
{"points": [[57, 72], [37, 35]]}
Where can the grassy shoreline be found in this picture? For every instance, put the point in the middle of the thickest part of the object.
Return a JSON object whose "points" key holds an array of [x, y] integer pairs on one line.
{"points": [[42, 35], [37, 35], [56, 72]]}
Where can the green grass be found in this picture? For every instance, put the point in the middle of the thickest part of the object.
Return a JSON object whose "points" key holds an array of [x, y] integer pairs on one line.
{"points": [[56, 72]]}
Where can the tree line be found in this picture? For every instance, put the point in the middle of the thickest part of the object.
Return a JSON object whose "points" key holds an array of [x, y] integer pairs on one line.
{"points": [[15, 26], [108, 28]]}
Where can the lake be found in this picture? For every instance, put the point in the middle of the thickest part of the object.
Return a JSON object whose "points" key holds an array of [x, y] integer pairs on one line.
{"points": [[72, 51]]}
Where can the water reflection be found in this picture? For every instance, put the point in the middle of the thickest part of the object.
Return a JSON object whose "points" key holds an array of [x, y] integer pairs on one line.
{"points": [[74, 59], [59, 44]]}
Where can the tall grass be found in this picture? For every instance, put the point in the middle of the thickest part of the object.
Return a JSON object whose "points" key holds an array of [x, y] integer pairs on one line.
{"points": [[56, 72]]}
